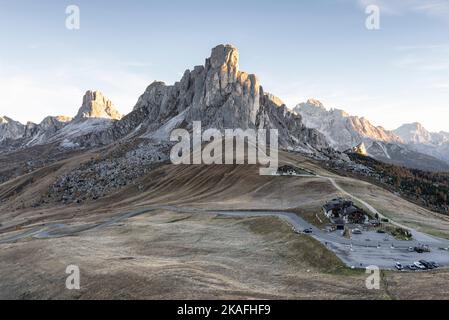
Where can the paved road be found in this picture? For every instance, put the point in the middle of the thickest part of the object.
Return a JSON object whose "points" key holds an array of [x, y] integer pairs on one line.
{"points": [[367, 249], [62, 230]]}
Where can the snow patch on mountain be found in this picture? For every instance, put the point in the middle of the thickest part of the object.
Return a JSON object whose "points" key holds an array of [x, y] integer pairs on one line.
{"points": [[163, 133]]}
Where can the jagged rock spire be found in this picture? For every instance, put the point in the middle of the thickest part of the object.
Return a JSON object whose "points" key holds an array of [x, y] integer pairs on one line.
{"points": [[96, 105]]}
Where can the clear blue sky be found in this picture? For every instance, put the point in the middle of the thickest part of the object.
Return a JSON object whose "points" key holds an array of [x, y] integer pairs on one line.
{"points": [[298, 49]]}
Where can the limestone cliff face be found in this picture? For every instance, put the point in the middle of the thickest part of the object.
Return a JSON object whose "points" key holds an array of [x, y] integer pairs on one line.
{"points": [[432, 143], [416, 133], [217, 93], [47, 127], [342, 130], [221, 96], [353, 134], [90, 127], [229, 98], [96, 105], [10, 129]]}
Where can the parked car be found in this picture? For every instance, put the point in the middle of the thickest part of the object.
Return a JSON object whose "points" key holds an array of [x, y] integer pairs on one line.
{"points": [[411, 249], [412, 267], [309, 230], [426, 264], [399, 266], [356, 231], [380, 231], [419, 265], [434, 264]]}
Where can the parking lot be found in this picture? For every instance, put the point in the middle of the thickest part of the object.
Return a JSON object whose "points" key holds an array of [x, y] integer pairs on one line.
{"points": [[382, 250]]}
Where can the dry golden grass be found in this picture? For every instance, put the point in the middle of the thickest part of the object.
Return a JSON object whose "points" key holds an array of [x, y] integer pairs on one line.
{"points": [[168, 255]]}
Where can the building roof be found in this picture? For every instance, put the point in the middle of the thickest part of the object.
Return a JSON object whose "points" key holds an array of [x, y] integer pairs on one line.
{"points": [[352, 210]]}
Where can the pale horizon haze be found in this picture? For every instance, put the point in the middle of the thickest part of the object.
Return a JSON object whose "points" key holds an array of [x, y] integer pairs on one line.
{"points": [[298, 49]]}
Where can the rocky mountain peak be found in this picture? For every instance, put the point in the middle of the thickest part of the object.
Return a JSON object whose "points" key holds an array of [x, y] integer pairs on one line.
{"points": [[10, 129], [225, 56], [63, 118], [96, 105], [54, 121], [275, 99], [312, 107], [414, 133], [223, 96], [220, 96], [5, 120], [315, 103], [342, 130], [415, 126]]}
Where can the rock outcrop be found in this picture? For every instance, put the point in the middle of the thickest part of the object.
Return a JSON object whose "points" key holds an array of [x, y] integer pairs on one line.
{"points": [[89, 128], [10, 129], [346, 132], [96, 105], [217, 93], [342, 130], [360, 149], [422, 140], [221, 96], [39, 133]]}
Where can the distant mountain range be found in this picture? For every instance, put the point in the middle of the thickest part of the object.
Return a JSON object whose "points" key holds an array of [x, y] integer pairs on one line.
{"points": [[221, 96], [96, 114], [421, 140], [410, 145], [218, 94]]}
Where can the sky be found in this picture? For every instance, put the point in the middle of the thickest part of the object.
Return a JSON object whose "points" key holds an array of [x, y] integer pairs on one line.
{"points": [[298, 49]]}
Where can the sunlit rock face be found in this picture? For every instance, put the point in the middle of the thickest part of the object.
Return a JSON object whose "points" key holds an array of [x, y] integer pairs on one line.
{"points": [[217, 93], [350, 133], [360, 149], [221, 96], [342, 130], [231, 98], [96, 105]]}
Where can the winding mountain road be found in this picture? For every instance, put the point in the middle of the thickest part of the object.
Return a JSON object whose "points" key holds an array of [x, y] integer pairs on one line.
{"points": [[367, 249]]}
